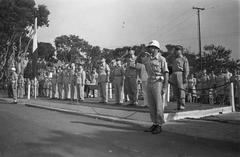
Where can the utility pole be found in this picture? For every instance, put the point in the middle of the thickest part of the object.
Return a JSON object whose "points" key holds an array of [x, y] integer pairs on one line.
{"points": [[199, 33]]}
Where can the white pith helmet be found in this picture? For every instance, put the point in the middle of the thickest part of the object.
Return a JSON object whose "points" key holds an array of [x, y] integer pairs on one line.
{"points": [[154, 43]]}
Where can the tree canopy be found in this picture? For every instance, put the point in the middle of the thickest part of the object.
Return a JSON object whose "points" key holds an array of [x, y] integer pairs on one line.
{"points": [[16, 27]]}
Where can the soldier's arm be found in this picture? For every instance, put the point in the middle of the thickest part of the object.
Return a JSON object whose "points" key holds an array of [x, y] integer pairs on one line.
{"points": [[186, 70], [165, 74]]}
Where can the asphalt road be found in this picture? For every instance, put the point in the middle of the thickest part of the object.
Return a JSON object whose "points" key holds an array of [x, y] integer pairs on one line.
{"points": [[32, 132]]}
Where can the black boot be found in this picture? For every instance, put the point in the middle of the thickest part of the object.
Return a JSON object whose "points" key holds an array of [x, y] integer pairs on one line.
{"points": [[151, 128], [157, 130]]}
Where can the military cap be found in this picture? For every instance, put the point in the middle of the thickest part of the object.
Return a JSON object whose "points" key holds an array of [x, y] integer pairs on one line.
{"points": [[179, 47]]}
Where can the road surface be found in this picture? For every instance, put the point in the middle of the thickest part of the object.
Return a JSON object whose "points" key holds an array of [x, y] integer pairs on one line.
{"points": [[32, 132]]}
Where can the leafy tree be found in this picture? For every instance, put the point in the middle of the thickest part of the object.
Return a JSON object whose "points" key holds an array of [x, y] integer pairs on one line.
{"points": [[45, 51], [218, 57], [69, 47], [16, 27]]}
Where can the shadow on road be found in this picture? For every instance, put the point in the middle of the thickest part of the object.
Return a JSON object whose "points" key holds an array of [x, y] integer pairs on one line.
{"points": [[135, 128], [114, 141]]}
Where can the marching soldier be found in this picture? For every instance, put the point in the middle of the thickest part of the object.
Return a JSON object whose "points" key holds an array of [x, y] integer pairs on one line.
{"points": [[157, 70], [118, 80], [103, 79], [180, 69], [14, 81], [131, 74], [80, 83]]}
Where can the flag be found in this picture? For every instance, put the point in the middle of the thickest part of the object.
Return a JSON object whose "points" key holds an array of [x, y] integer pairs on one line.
{"points": [[35, 52]]}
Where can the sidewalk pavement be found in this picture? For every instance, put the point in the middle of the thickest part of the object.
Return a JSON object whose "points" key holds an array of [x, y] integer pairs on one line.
{"points": [[206, 127]]}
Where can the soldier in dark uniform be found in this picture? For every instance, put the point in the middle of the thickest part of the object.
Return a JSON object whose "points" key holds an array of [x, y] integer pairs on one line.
{"points": [[118, 80], [131, 78], [180, 69]]}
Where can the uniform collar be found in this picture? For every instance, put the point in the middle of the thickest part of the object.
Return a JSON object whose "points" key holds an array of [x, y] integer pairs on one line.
{"points": [[155, 57]]}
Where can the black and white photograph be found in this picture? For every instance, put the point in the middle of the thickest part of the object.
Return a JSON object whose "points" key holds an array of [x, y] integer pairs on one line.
{"points": [[119, 78]]}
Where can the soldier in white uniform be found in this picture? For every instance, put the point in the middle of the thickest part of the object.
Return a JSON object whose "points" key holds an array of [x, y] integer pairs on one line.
{"points": [[157, 69], [80, 82], [14, 81], [103, 79]]}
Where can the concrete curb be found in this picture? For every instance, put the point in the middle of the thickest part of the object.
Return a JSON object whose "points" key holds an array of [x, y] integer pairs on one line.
{"points": [[103, 117]]}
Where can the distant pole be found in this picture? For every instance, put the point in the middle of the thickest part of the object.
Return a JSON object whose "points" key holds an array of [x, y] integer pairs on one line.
{"points": [[199, 33]]}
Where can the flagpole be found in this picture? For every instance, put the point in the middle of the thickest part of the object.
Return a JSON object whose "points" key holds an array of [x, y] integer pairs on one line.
{"points": [[35, 57]]}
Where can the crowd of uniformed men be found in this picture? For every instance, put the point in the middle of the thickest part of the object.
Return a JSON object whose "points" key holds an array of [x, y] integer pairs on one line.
{"points": [[147, 74]]}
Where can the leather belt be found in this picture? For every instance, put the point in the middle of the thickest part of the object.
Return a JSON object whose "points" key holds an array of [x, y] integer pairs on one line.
{"points": [[156, 77]]}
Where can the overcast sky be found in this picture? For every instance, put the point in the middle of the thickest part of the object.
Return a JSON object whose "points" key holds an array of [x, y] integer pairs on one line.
{"points": [[117, 23]]}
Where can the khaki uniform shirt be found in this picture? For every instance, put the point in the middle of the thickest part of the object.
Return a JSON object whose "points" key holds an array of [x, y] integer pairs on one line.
{"points": [[103, 73], [156, 67], [20, 81], [131, 70], [72, 77], [118, 71], [80, 77], [60, 77], [181, 64]]}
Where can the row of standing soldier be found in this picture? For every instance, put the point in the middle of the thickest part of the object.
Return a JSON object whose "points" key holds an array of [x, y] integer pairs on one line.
{"points": [[157, 70]]}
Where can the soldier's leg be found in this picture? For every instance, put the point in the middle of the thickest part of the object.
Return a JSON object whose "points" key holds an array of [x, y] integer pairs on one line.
{"points": [[81, 92], [22, 92], [18, 92], [65, 91], [120, 91], [101, 91], [105, 93], [145, 98], [72, 91], [10, 95], [130, 90], [157, 98], [53, 90], [59, 90], [136, 92], [181, 91], [151, 103], [116, 91], [174, 86], [14, 89], [78, 91]]}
